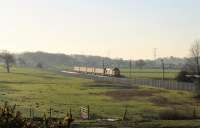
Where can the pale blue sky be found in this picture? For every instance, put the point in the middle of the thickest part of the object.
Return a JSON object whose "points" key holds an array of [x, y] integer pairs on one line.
{"points": [[114, 28]]}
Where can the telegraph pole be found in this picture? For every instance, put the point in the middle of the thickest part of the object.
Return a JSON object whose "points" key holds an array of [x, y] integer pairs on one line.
{"points": [[103, 64], [155, 56], [130, 69], [163, 69]]}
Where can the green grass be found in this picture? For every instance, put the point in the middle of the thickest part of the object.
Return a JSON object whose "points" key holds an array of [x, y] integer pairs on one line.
{"points": [[148, 124], [171, 124], [150, 73], [41, 90]]}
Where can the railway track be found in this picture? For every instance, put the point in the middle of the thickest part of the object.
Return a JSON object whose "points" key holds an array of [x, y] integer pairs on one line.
{"points": [[167, 84]]}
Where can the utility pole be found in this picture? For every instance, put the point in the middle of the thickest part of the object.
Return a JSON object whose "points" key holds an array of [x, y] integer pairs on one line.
{"points": [[155, 57], [86, 68], [163, 69], [103, 64], [130, 69]]}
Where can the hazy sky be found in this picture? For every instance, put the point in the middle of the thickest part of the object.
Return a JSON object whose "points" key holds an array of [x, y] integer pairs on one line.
{"points": [[114, 28]]}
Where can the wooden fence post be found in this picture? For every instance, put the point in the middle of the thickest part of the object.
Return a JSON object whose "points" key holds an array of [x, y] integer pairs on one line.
{"points": [[88, 112], [125, 113], [50, 112], [33, 114], [194, 113], [30, 113]]}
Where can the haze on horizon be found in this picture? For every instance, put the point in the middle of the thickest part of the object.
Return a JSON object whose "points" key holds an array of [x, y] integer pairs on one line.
{"points": [[113, 28]]}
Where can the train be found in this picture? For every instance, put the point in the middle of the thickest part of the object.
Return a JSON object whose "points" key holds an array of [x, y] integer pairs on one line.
{"points": [[114, 72]]}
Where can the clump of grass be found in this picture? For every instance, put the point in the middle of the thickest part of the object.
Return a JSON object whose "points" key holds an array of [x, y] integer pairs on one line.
{"points": [[179, 113], [159, 100]]}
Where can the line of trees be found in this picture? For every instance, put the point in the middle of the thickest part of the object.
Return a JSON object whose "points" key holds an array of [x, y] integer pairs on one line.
{"points": [[9, 60], [192, 66]]}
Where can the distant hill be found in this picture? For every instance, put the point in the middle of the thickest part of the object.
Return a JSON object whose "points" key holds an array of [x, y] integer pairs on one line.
{"points": [[52, 60]]}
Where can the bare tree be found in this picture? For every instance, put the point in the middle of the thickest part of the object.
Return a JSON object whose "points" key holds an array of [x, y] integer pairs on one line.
{"points": [[192, 65], [8, 59], [195, 53]]}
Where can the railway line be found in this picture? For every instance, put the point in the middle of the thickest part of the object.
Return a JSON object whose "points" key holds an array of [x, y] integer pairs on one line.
{"points": [[167, 84]]}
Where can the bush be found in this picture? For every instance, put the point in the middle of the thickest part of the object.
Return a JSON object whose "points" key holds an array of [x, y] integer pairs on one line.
{"points": [[182, 77], [10, 118], [178, 114]]}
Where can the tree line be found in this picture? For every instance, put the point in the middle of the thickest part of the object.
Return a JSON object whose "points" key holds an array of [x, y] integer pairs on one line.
{"points": [[49, 60], [189, 65]]}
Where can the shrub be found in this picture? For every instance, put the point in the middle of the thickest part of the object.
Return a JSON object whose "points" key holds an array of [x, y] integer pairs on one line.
{"points": [[9, 118], [182, 77], [177, 114]]}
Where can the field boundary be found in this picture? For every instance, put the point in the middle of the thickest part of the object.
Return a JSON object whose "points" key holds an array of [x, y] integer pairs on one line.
{"points": [[167, 84]]}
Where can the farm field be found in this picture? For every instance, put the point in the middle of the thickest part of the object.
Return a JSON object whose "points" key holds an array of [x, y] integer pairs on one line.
{"points": [[40, 90], [151, 73]]}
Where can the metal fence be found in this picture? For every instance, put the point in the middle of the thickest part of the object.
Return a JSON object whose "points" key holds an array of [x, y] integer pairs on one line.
{"points": [[168, 84]]}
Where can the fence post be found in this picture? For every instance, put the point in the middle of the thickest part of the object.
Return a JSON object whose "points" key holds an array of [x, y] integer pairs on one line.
{"points": [[191, 89], [195, 112], [125, 113], [168, 85], [88, 112], [45, 123], [50, 112], [176, 86], [135, 81], [185, 87], [33, 114], [160, 86], [30, 113], [157, 83], [165, 84], [154, 83]]}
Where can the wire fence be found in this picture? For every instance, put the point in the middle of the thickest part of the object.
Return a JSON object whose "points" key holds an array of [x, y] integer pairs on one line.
{"points": [[168, 84], [94, 111], [113, 112]]}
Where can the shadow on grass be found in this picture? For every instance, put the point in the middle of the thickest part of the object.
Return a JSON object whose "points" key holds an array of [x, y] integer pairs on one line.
{"points": [[40, 75], [22, 82], [105, 84]]}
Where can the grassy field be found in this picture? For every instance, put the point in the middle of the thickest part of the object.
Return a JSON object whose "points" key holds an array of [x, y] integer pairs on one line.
{"points": [[151, 73], [41, 90]]}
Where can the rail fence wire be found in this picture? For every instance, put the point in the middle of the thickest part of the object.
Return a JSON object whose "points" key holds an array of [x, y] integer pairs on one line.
{"points": [[55, 111], [167, 84], [106, 112]]}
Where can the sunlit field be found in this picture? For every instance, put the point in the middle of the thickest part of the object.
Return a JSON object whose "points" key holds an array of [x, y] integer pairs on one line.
{"points": [[40, 90]]}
